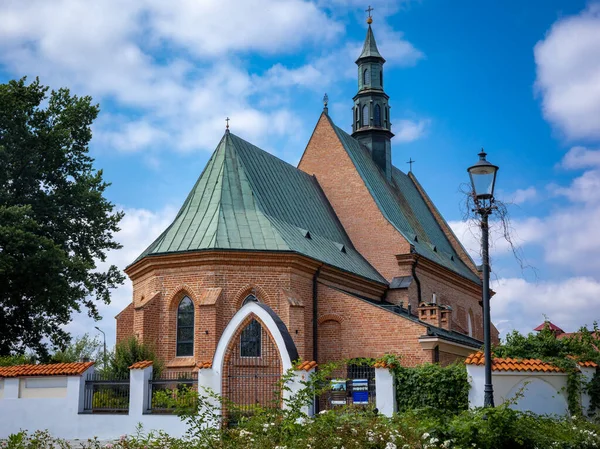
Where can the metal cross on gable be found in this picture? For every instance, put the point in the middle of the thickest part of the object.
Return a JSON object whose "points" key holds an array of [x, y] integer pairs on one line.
{"points": [[369, 9], [227, 123], [410, 162]]}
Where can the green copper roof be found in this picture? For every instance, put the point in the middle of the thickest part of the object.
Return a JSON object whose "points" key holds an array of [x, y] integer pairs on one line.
{"points": [[247, 199], [370, 46], [404, 207]]}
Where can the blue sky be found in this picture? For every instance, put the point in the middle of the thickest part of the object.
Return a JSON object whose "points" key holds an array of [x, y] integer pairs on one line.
{"points": [[521, 79]]}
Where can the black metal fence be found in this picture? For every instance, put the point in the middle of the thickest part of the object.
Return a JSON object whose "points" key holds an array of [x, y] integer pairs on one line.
{"points": [[171, 391], [351, 385], [103, 394]]}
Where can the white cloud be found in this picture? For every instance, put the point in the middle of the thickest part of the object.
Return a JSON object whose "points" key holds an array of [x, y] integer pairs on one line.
{"points": [[410, 130], [521, 196], [581, 157], [324, 70], [139, 228], [521, 305], [568, 74]]}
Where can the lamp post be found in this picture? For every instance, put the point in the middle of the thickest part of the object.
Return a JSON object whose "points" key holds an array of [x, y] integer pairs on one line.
{"points": [[483, 182], [104, 336]]}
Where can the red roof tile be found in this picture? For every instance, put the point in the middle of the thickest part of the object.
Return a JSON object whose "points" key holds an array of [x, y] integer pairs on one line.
{"points": [[510, 364], [306, 366], [141, 365], [55, 369], [552, 326], [204, 365]]}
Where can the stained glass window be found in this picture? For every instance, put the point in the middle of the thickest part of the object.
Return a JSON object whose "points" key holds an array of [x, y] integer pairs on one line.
{"points": [[251, 339], [185, 328]]}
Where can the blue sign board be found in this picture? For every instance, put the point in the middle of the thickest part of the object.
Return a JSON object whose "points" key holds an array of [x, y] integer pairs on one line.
{"points": [[360, 391]]}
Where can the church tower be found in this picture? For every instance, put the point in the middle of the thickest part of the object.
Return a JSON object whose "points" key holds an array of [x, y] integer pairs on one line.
{"points": [[371, 124]]}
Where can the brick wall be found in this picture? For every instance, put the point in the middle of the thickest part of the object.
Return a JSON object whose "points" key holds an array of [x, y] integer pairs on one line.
{"points": [[125, 323], [365, 330], [284, 288], [372, 235]]}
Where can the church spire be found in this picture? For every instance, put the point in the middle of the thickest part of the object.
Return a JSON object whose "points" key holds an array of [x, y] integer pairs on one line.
{"points": [[371, 124]]}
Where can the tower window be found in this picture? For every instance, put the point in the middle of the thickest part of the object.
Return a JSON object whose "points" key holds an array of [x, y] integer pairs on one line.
{"points": [[365, 115], [366, 77], [381, 78], [185, 328], [251, 339], [357, 115], [377, 115]]}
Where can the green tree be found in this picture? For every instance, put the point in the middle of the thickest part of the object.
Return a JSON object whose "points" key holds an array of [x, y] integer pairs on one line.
{"points": [[82, 348], [55, 224], [129, 351]]}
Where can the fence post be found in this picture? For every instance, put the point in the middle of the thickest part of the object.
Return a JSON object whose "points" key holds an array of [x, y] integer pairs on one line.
{"points": [[76, 389], [587, 373], [296, 385], [138, 389], [385, 391]]}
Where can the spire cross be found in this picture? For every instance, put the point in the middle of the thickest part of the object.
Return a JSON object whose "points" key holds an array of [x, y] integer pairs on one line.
{"points": [[227, 123], [410, 162], [368, 10]]}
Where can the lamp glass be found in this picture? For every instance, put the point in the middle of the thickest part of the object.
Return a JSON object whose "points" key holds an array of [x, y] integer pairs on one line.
{"points": [[483, 178]]}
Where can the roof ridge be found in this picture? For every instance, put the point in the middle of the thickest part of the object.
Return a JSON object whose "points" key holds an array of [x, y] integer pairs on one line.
{"points": [[436, 211]]}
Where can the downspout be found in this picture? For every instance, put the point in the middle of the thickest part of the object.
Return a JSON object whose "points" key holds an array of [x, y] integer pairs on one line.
{"points": [[316, 328], [315, 293], [416, 278]]}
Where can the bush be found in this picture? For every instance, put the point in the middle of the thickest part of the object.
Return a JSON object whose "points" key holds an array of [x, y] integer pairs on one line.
{"points": [[442, 388], [129, 351]]}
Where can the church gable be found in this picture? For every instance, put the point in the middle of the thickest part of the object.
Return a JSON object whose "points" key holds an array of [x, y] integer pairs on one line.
{"points": [[347, 171], [373, 235]]}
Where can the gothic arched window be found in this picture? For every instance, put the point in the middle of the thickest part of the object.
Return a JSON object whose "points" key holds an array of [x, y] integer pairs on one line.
{"points": [[381, 78], [357, 115], [251, 340], [366, 77], [470, 323], [377, 115], [185, 328], [365, 115]]}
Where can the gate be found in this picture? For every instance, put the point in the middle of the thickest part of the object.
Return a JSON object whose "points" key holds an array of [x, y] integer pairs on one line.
{"points": [[252, 371]]}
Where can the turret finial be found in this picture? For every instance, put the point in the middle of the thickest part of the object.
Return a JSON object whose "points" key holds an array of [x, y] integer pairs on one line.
{"points": [[370, 18], [227, 125], [325, 103]]}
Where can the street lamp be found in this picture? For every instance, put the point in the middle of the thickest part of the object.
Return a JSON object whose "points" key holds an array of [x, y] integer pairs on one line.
{"points": [[104, 336], [483, 182]]}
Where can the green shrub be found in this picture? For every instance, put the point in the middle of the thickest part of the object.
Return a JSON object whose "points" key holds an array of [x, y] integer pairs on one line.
{"points": [[129, 351], [431, 385]]}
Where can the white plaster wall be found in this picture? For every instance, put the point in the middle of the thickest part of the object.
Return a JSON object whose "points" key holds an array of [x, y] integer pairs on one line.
{"points": [[62, 418], [1, 388], [587, 374], [43, 387], [385, 392], [543, 393]]}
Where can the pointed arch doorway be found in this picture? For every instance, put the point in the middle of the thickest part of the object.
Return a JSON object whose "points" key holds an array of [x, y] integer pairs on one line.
{"points": [[252, 371], [254, 352]]}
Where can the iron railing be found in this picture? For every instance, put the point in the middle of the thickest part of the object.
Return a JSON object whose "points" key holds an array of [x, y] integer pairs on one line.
{"points": [[104, 394], [171, 391], [351, 385]]}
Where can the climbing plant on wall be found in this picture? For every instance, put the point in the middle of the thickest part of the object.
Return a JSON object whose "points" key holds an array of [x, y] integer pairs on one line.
{"points": [[564, 353]]}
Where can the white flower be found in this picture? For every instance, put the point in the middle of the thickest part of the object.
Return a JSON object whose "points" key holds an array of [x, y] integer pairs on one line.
{"points": [[425, 436], [390, 445]]}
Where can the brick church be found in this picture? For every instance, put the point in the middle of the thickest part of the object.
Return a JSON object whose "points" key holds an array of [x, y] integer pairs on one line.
{"points": [[345, 253]]}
